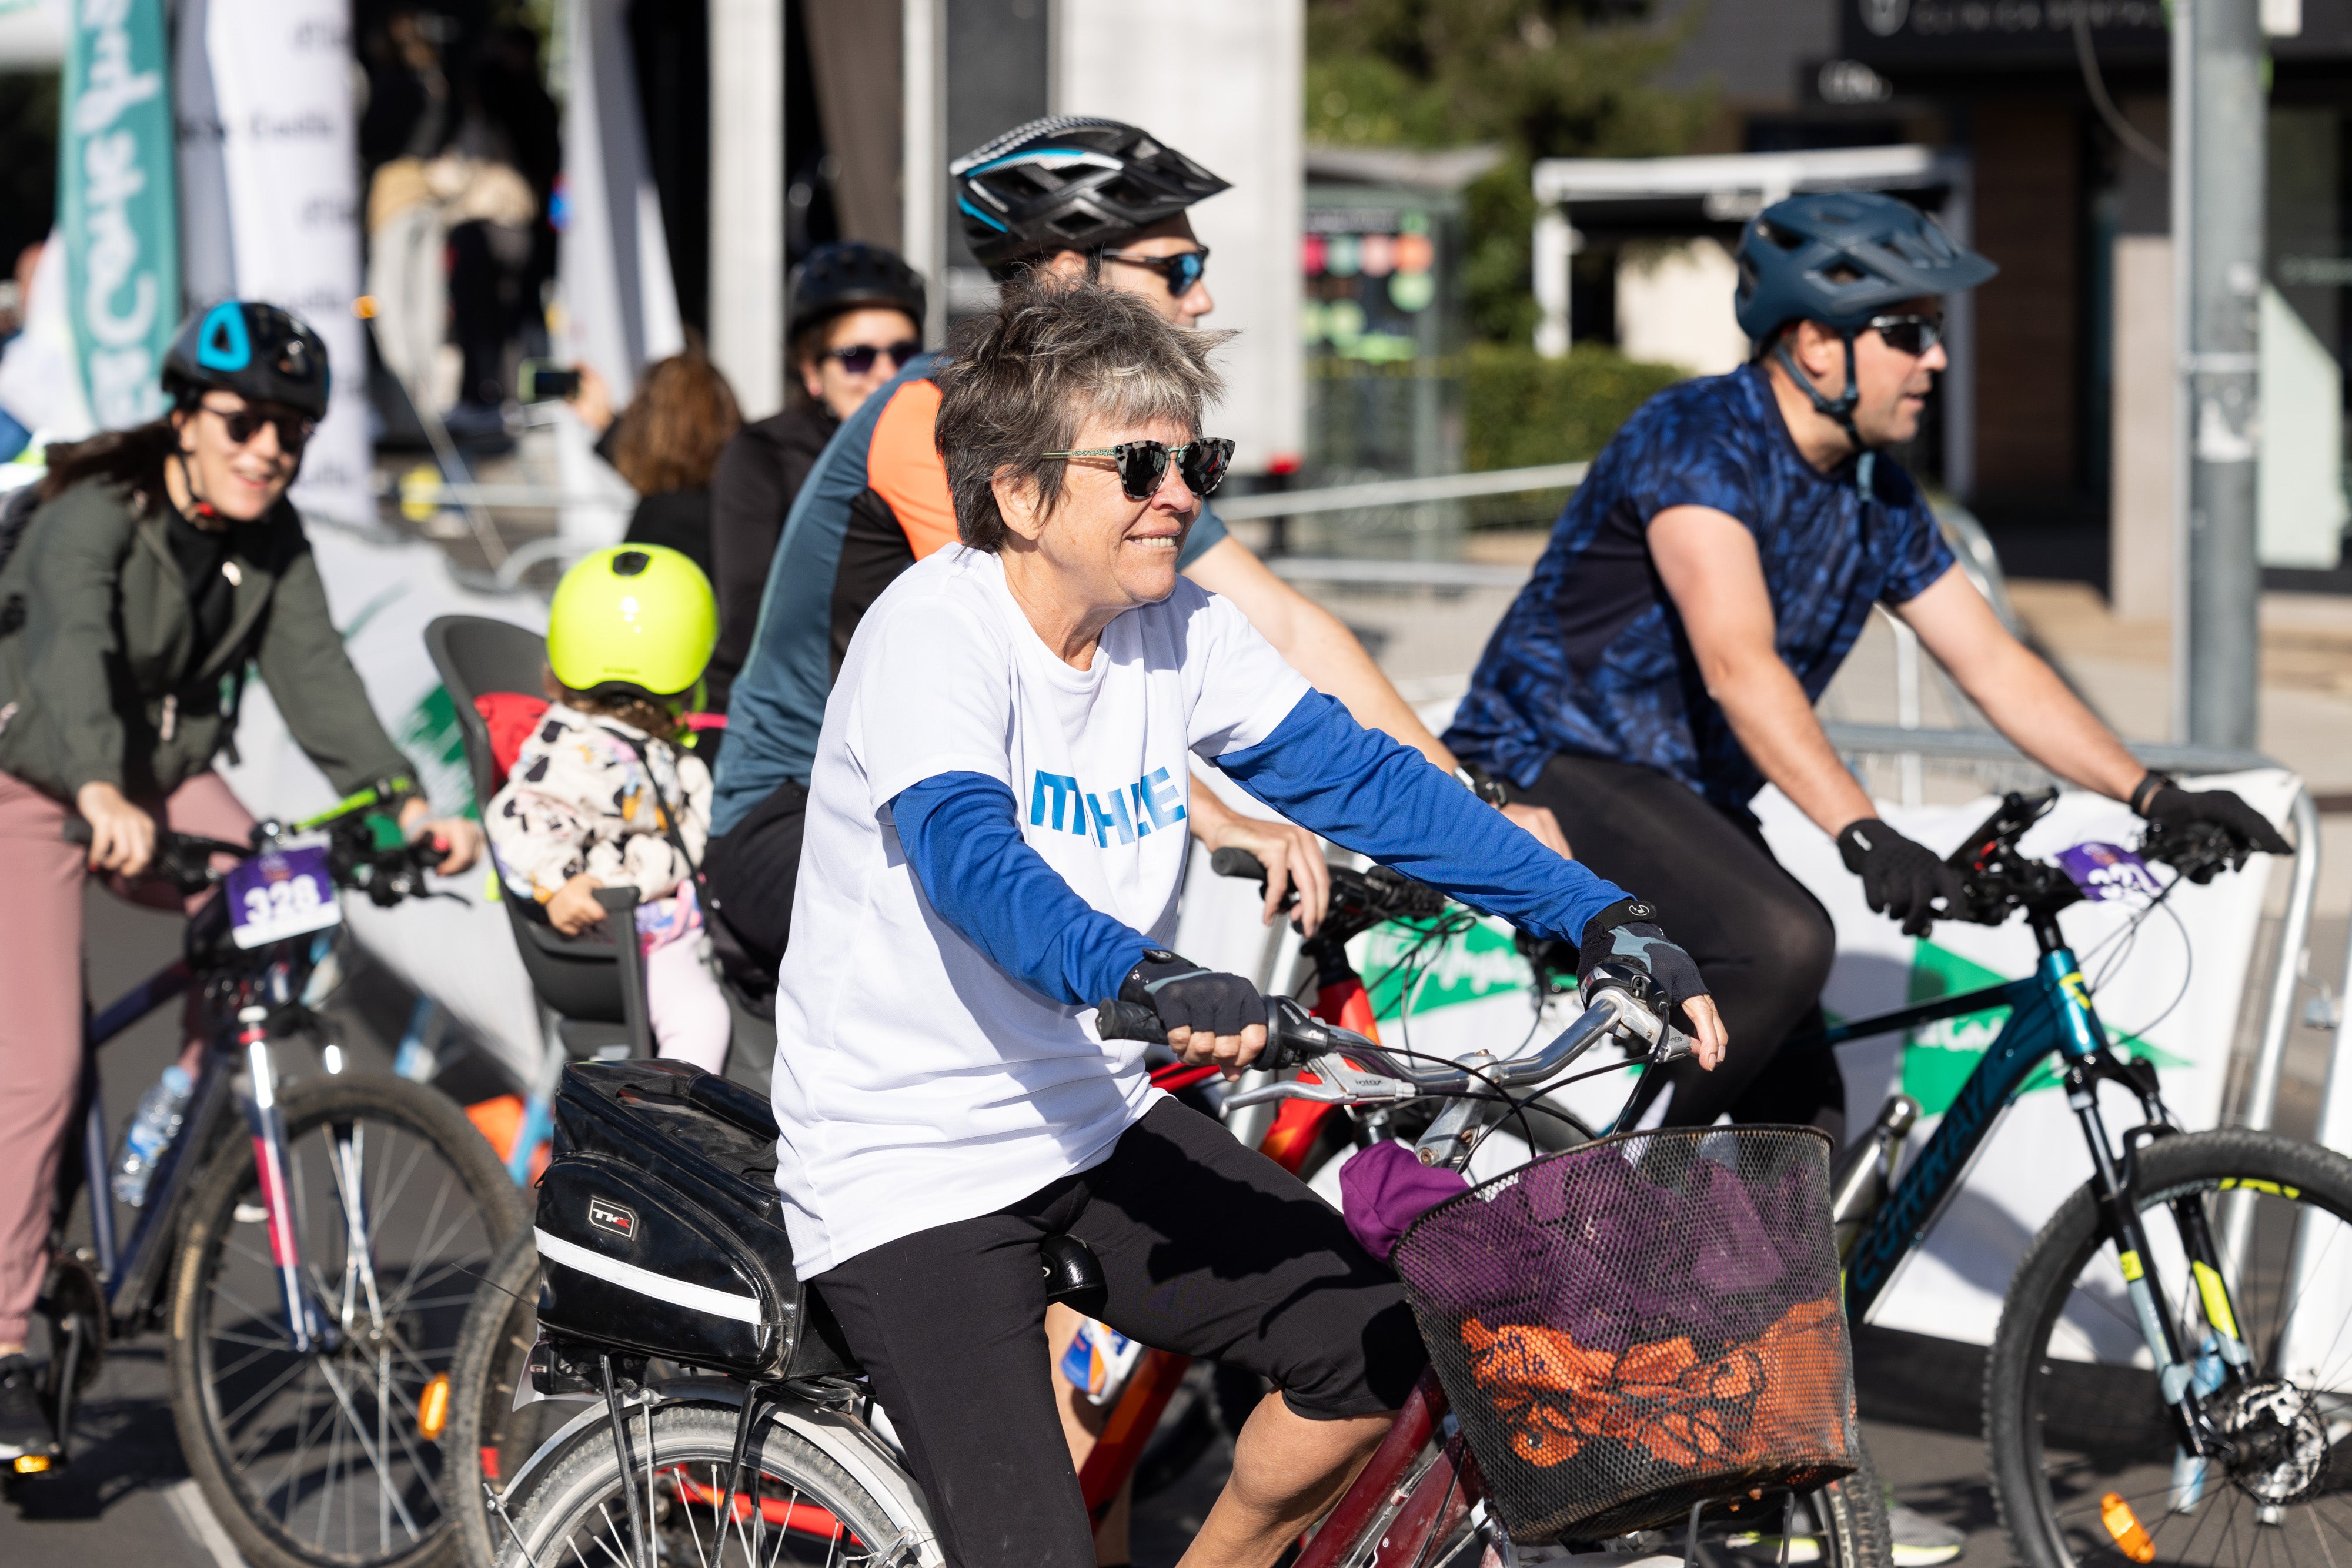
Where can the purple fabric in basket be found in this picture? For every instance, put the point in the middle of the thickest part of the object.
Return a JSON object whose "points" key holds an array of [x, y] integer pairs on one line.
{"points": [[1586, 1244], [1385, 1188]]}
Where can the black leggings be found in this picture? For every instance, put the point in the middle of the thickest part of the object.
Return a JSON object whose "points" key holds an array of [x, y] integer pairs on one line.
{"points": [[1763, 942], [1208, 1248]]}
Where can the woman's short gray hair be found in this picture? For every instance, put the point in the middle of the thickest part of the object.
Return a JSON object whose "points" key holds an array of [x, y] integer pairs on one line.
{"points": [[1024, 379]]}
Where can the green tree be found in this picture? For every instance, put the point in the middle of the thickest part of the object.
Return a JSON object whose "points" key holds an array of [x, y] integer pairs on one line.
{"points": [[1541, 78]]}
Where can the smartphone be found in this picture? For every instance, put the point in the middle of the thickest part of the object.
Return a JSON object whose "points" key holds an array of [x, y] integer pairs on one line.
{"points": [[543, 380]]}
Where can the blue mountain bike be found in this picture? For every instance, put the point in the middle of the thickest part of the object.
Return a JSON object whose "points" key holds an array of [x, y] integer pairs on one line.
{"points": [[2171, 1379]]}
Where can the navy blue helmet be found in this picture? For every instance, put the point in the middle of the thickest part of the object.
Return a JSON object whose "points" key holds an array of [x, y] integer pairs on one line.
{"points": [[1840, 257]]}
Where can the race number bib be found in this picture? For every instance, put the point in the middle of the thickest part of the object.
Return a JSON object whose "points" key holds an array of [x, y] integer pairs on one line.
{"points": [[282, 893]]}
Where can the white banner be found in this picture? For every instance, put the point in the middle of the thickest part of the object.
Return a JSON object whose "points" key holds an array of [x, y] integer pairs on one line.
{"points": [[384, 596], [2172, 993], [269, 169], [618, 303]]}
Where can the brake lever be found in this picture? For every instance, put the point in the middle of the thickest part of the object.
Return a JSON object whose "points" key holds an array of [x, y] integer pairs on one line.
{"points": [[1342, 1081]]}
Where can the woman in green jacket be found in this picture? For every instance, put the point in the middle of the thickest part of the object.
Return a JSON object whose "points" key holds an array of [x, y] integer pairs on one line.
{"points": [[161, 564]]}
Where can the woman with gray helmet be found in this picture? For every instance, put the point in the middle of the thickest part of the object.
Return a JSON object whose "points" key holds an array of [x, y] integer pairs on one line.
{"points": [[856, 319], [161, 564]]}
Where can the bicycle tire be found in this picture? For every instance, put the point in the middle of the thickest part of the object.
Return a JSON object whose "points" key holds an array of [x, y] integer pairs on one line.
{"points": [[2113, 1413], [579, 1498], [488, 1438], [468, 1196]]}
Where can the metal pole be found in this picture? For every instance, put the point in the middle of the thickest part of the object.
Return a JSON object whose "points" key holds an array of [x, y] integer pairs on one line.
{"points": [[2219, 239], [923, 140]]}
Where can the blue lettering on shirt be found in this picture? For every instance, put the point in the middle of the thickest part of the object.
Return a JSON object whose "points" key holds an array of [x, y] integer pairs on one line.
{"points": [[1065, 789], [1056, 797]]}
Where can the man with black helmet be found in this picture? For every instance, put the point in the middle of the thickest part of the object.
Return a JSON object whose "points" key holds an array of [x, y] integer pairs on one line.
{"points": [[162, 564], [1076, 197], [1700, 591], [857, 320]]}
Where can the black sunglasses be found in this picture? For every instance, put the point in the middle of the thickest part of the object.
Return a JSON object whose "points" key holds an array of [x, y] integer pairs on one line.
{"points": [[1181, 272], [858, 358], [293, 431], [1143, 464], [1912, 335]]}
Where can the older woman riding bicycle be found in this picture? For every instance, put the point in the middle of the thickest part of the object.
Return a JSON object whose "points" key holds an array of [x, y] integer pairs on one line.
{"points": [[994, 848]]}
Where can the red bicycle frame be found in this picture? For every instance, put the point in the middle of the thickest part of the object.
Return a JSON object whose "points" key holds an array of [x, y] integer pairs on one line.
{"points": [[1340, 999]]}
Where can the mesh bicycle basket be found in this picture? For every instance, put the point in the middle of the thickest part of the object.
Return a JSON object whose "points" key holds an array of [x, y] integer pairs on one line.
{"points": [[1639, 1324]]}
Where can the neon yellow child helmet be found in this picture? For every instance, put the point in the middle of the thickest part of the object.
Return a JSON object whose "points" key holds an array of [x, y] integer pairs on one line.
{"points": [[639, 619]]}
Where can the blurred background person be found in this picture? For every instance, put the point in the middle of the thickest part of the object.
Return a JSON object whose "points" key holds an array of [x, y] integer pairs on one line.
{"points": [[857, 314], [666, 444]]}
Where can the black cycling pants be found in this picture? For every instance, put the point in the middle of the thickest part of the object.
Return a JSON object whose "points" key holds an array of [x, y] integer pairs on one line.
{"points": [[752, 869], [1763, 942], [1208, 1248]]}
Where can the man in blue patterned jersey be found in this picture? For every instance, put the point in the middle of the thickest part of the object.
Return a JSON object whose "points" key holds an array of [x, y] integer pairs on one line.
{"points": [[1700, 591]]}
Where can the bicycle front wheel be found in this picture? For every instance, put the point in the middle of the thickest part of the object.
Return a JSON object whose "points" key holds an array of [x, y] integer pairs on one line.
{"points": [[794, 1506], [2085, 1462], [331, 1458]]}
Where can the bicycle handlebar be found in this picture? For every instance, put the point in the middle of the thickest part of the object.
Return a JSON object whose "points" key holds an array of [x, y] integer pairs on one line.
{"points": [[386, 873], [1357, 1071]]}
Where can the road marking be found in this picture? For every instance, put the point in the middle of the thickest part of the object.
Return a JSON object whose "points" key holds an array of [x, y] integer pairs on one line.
{"points": [[187, 1500]]}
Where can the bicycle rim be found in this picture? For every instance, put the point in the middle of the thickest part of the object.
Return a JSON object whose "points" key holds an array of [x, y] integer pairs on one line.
{"points": [[794, 1508], [322, 1456], [2074, 1398]]}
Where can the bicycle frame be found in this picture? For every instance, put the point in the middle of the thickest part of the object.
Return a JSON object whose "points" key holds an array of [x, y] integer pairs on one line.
{"points": [[2052, 1012]]}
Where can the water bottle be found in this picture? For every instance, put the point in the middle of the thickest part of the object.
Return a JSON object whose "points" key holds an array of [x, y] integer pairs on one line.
{"points": [[160, 1111], [1099, 1361]]}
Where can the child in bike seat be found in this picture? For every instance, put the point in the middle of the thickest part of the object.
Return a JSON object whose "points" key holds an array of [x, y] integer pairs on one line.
{"points": [[602, 792]]}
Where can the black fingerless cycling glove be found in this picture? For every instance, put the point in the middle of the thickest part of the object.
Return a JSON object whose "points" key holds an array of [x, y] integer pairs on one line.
{"points": [[1627, 933], [1186, 995], [1902, 879], [2168, 805]]}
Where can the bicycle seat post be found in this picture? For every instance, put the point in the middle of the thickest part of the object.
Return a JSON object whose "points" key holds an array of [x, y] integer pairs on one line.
{"points": [[620, 919]]}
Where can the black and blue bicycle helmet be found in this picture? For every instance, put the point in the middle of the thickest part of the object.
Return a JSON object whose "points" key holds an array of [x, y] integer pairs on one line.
{"points": [[260, 352], [1070, 183], [1840, 257]]}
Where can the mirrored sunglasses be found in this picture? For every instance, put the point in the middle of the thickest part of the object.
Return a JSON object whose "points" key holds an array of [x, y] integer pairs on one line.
{"points": [[1182, 272], [1143, 464], [858, 358], [1912, 335]]}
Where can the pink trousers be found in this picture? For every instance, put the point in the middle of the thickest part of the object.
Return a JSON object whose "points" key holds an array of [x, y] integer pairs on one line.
{"points": [[41, 880]]}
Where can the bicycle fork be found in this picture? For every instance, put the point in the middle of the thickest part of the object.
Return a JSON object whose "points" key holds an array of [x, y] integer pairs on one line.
{"points": [[2184, 1378], [267, 1122]]}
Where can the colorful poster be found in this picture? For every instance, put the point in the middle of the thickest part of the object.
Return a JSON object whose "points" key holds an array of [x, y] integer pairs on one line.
{"points": [[116, 196]]}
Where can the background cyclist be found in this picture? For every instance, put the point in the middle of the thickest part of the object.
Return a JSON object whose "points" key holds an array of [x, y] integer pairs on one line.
{"points": [[161, 561], [1077, 198], [992, 848], [1701, 590], [857, 319]]}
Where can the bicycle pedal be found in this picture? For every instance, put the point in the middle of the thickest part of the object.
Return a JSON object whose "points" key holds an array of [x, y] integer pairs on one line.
{"points": [[36, 1467]]}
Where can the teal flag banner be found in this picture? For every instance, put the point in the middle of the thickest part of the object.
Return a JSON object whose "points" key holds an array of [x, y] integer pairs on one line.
{"points": [[116, 204]]}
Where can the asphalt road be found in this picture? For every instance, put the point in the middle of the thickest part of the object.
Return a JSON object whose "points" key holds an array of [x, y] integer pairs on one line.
{"points": [[128, 1500]]}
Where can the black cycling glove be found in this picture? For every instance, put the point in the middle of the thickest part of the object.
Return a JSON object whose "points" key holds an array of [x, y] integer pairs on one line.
{"points": [[2168, 805], [1627, 933], [1902, 880], [1186, 995]]}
